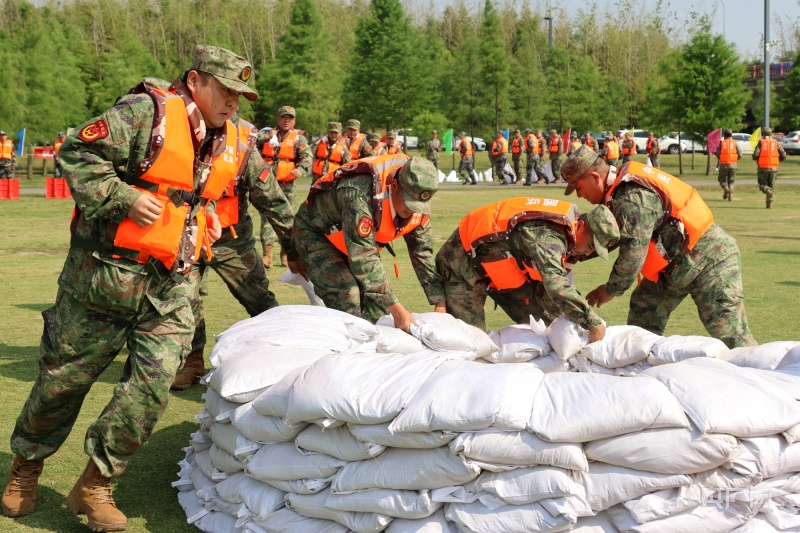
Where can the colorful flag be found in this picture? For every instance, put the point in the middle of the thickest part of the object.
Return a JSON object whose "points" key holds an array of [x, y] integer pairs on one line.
{"points": [[21, 142], [755, 137], [447, 139], [566, 140], [713, 139], [505, 133]]}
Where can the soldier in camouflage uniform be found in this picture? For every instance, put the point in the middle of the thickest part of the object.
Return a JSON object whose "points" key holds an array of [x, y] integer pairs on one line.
{"points": [[538, 166], [303, 158], [433, 148], [653, 150], [57, 170], [105, 301], [6, 156], [356, 283], [727, 170], [353, 135], [517, 147], [466, 168], [768, 154], [628, 148], [499, 154], [544, 245], [711, 272], [374, 140], [591, 142], [556, 150]]}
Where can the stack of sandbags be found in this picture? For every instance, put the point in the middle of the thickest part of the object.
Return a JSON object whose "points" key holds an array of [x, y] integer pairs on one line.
{"points": [[442, 436]]}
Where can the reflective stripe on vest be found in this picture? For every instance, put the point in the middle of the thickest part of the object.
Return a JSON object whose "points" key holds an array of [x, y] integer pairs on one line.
{"points": [[355, 145], [228, 205], [680, 200], [396, 148], [7, 149], [285, 158], [465, 148], [516, 145], [769, 157], [613, 150], [727, 152], [333, 162], [495, 222], [377, 149]]}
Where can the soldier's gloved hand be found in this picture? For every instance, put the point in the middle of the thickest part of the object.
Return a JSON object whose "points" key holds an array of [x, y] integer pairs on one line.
{"points": [[298, 266], [599, 296], [597, 333], [213, 227], [145, 210], [440, 307], [402, 318]]}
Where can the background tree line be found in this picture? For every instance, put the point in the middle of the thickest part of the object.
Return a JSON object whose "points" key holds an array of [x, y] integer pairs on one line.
{"points": [[470, 69]]}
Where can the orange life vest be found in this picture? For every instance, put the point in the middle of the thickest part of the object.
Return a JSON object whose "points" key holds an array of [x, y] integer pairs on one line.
{"points": [[554, 145], [530, 142], [381, 167], [465, 147], [574, 145], [613, 150], [590, 141], [396, 148], [629, 150], [285, 157], [653, 143], [355, 145], [727, 152], [680, 200], [334, 160], [768, 157], [516, 145], [499, 146], [377, 149], [228, 205], [495, 222], [57, 147], [7, 150]]}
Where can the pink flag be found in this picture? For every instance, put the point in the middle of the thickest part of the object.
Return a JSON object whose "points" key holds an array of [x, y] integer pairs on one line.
{"points": [[714, 138], [566, 140]]}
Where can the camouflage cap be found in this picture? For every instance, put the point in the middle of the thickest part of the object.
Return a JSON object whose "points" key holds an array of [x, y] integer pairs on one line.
{"points": [[553, 131], [573, 135], [576, 166], [373, 137], [229, 69], [516, 130], [498, 132], [2, 132], [433, 132], [766, 131], [419, 182], [287, 110], [651, 133], [727, 132], [354, 124], [62, 134], [335, 126], [605, 229], [462, 134], [528, 130], [391, 135]]}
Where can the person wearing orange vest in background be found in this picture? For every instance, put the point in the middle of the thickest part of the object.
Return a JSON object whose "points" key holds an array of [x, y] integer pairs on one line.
{"points": [[574, 142], [517, 148], [341, 229], [591, 142], [516, 251], [628, 148], [611, 149], [681, 253], [374, 140], [330, 152], [653, 150], [289, 156], [500, 159], [144, 214], [556, 150], [529, 146], [357, 141], [728, 153], [768, 154], [466, 167], [57, 171], [539, 150], [6, 156], [393, 146]]}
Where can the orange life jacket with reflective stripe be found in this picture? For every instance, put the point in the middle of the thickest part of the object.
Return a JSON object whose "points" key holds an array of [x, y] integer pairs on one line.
{"points": [[396, 148], [495, 222], [554, 145], [516, 145], [382, 168], [57, 147], [680, 200], [285, 157], [613, 150], [377, 149], [228, 205], [355, 145], [499, 146], [465, 148], [727, 152], [335, 159], [7, 149], [769, 157], [629, 150]]}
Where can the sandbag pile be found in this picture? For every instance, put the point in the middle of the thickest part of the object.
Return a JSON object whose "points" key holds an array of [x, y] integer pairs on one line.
{"points": [[316, 421]]}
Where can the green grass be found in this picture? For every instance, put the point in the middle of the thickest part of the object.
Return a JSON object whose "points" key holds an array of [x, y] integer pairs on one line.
{"points": [[32, 250]]}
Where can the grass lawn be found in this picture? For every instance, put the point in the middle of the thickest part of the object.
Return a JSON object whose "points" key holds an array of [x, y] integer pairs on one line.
{"points": [[32, 249]]}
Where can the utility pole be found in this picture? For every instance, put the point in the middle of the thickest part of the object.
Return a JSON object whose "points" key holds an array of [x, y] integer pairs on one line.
{"points": [[767, 46], [549, 50]]}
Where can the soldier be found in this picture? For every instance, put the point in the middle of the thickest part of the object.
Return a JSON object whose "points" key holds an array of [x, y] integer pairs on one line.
{"points": [[500, 158], [728, 153], [611, 150], [119, 289], [6, 156], [653, 150], [289, 156], [433, 148], [57, 171], [556, 149], [685, 254], [466, 168], [374, 140], [393, 146], [574, 142], [516, 251], [537, 162], [628, 148], [341, 229], [768, 153], [517, 147], [235, 258], [591, 142], [530, 144], [357, 141], [331, 152]]}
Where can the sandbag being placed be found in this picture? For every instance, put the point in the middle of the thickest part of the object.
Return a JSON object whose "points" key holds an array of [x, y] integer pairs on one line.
{"points": [[519, 343], [676, 348], [444, 332], [566, 338], [380, 434], [621, 346], [393, 340]]}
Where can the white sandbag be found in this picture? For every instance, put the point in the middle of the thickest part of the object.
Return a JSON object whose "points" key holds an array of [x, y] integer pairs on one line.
{"points": [[792, 434], [184, 481], [224, 462], [705, 518], [575, 407], [206, 419], [720, 397], [519, 448], [288, 521], [284, 461], [792, 357], [766, 356], [608, 485], [216, 522], [527, 485], [405, 470], [600, 523], [200, 440], [518, 343], [260, 498], [758, 524], [191, 506], [230, 509], [621, 346], [393, 340], [664, 503], [444, 332], [290, 278], [380, 434], [477, 396], [582, 364], [676, 348], [773, 456], [300, 486], [313, 506], [228, 490], [476, 517], [786, 379], [336, 442], [219, 408], [199, 478], [566, 337], [723, 479], [206, 466], [263, 429], [359, 387], [436, 523], [244, 377], [228, 438], [665, 451], [275, 400], [409, 504], [550, 363]]}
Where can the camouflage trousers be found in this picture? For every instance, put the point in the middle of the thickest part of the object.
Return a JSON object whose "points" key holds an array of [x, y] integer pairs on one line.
{"points": [[241, 268], [534, 165], [268, 236], [613, 162], [555, 166], [627, 159], [766, 179], [727, 175], [466, 169], [655, 161], [499, 169], [6, 168], [517, 164], [713, 279], [466, 291], [434, 158], [57, 170], [81, 339]]}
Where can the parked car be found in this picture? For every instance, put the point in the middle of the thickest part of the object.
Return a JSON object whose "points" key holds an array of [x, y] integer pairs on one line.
{"points": [[478, 144], [599, 136], [780, 137], [669, 144], [743, 141], [640, 138], [792, 143], [407, 137]]}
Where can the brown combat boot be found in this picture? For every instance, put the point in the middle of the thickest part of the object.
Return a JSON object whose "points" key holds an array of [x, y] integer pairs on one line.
{"points": [[19, 498], [193, 369], [91, 496], [540, 181], [769, 199], [557, 180], [284, 260], [730, 196], [726, 192], [267, 257]]}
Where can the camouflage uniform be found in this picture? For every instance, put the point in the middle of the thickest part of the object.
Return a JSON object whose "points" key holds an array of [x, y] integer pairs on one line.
{"points": [[466, 167], [591, 142], [516, 159], [346, 157], [767, 176], [357, 283], [58, 171], [654, 153], [630, 144], [538, 167], [365, 150], [727, 172], [7, 165], [555, 157], [499, 161], [433, 148]]}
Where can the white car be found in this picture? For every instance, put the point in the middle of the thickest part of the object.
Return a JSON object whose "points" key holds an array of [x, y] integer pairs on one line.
{"points": [[408, 138], [640, 138], [743, 142], [669, 144], [792, 143], [478, 144]]}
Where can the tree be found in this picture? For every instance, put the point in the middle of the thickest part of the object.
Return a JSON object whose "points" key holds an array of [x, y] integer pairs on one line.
{"points": [[494, 64], [528, 80], [13, 102], [788, 109]]}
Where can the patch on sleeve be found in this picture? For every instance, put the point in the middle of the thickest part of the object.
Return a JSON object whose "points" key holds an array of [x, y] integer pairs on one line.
{"points": [[365, 226], [95, 131], [264, 175]]}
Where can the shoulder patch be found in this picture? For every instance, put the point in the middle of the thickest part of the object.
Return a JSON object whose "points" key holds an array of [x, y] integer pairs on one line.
{"points": [[365, 226], [95, 131], [264, 175]]}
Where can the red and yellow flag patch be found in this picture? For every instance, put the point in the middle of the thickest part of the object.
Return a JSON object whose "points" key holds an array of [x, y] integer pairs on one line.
{"points": [[95, 131], [365, 226]]}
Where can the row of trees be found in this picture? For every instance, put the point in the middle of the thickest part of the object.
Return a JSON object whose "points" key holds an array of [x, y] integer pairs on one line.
{"points": [[337, 59]]}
